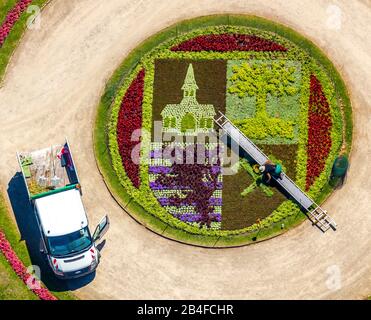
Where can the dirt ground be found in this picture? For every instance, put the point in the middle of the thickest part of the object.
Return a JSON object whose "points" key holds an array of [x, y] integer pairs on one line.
{"points": [[52, 88]]}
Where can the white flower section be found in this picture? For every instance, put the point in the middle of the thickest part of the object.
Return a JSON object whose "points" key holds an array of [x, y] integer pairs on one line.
{"points": [[188, 117]]}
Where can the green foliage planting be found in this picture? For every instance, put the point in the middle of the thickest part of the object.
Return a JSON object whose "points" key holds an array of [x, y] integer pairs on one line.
{"points": [[263, 127], [259, 79]]}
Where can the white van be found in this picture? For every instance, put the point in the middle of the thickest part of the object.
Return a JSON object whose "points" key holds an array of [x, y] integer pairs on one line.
{"points": [[55, 193]]}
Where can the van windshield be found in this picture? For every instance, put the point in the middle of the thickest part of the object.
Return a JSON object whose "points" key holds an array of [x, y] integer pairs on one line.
{"points": [[70, 243]]}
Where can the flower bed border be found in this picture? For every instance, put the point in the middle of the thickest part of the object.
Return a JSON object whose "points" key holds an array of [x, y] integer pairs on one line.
{"points": [[21, 271], [131, 63], [14, 37], [11, 19]]}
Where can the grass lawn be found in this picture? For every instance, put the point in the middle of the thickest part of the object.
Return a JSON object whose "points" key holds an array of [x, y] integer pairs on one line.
{"points": [[8, 226]]}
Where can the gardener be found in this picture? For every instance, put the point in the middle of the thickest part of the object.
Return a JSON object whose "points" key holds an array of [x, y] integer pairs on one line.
{"points": [[270, 169]]}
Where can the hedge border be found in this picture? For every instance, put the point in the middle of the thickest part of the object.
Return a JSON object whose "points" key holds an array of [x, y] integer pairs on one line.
{"points": [[100, 132]]}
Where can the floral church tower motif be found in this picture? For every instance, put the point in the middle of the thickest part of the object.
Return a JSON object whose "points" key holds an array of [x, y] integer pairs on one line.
{"points": [[188, 117]]}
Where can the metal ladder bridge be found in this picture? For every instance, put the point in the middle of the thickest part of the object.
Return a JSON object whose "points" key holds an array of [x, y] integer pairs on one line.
{"points": [[317, 215]]}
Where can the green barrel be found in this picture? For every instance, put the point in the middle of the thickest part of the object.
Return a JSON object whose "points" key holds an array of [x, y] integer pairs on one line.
{"points": [[340, 167]]}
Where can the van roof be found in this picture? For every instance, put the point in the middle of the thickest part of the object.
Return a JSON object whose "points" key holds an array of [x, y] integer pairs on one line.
{"points": [[61, 213]]}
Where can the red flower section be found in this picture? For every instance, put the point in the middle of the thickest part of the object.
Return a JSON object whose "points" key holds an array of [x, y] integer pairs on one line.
{"points": [[319, 134], [130, 120], [228, 42], [21, 270], [11, 18]]}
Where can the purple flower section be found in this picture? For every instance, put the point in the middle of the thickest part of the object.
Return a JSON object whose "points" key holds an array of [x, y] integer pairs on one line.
{"points": [[216, 170], [157, 186], [212, 202], [197, 182], [189, 217]]}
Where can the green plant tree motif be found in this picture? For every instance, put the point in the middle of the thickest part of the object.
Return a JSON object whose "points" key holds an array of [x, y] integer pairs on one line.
{"points": [[258, 182], [245, 165], [260, 79]]}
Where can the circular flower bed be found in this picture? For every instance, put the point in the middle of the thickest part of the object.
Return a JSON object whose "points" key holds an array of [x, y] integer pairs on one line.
{"points": [[164, 160]]}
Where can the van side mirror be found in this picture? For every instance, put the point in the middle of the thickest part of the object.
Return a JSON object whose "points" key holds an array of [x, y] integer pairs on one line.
{"points": [[101, 229], [42, 247]]}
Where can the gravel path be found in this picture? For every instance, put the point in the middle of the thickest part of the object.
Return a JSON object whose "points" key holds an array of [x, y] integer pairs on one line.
{"points": [[52, 88]]}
